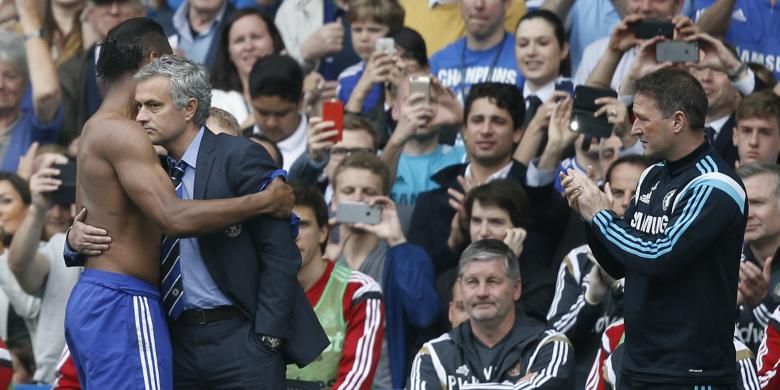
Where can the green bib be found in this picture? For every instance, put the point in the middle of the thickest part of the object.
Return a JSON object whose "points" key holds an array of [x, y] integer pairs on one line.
{"points": [[330, 312]]}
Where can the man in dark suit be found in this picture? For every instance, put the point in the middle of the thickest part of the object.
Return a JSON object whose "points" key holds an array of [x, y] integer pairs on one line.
{"points": [[239, 314]]}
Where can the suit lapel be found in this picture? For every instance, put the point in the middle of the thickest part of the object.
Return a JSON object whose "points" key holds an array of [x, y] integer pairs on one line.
{"points": [[205, 162]]}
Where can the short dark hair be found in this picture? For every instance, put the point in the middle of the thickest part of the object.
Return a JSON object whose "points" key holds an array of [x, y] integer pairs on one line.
{"points": [[504, 96], [276, 75], [369, 162], [412, 43], [630, 159], [224, 74], [127, 46], [309, 196], [763, 105], [676, 90], [505, 194]]}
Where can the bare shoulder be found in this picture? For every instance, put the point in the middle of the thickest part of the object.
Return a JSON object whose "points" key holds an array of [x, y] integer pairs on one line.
{"points": [[115, 136]]}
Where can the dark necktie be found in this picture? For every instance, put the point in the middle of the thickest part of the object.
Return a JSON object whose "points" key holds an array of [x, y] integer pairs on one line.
{"points": [[709, 133], [172, 288], [533, 103]]}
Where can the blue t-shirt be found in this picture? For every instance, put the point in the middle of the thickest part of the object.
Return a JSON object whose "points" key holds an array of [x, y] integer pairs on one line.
{"points": [[458, 67], [349, 78], [754, 30], [414, 172]]}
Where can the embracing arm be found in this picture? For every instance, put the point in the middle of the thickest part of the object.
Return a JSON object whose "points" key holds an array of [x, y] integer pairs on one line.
{"points": [[129, 151]]}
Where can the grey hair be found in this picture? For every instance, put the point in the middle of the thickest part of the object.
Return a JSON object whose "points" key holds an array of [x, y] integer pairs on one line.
{"points": [[758, 168], [12, 51], [490, 250], [186, 79]]}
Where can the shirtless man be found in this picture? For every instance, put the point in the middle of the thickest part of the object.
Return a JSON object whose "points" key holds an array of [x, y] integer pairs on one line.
{"points": [[115, 324]]}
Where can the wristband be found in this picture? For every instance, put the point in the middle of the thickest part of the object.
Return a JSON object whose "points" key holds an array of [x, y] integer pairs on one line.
{"points": [[742, 67], [32, 35]]}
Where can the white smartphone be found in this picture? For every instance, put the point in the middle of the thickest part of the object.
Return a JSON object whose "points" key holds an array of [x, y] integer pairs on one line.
{"points": [[385, 45], [356, 212]]}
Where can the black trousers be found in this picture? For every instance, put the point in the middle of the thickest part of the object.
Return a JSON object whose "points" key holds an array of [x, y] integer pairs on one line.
{"points": [[223, 354]]}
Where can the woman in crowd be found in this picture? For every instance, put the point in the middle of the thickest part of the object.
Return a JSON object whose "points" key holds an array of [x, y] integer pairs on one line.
{"points": [[18, 310], [32, 273], [247, 36]]}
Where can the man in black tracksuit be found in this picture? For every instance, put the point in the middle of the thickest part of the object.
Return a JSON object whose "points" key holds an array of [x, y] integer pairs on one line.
{"points": [[678, 246], [499, 346]]}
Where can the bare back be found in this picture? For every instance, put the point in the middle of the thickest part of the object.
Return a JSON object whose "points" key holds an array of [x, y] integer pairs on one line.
{"points": [[135, 246]]}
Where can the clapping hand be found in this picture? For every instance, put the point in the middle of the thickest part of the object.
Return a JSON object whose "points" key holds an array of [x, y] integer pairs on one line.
{"points": [[584, 195]]}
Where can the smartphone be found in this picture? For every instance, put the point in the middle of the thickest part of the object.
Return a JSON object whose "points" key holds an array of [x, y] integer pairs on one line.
{"points": [[385, 45], [333, 110], [66, 194], [677, 51], [356, 212], [651, 28], [421, 84], [584, 106]]}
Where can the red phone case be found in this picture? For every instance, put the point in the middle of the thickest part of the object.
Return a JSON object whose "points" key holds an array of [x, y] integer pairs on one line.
{"points": [[333, 110]]}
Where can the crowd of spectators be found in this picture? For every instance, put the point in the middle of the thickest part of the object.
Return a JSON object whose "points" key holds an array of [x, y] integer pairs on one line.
{"points": [[467, 167]]}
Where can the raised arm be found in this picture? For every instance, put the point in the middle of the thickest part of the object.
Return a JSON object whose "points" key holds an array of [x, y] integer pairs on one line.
{"points": [[716, 19], [621, 39], [413, 114], [560, 7], [28, 266], [43, 74], [126, 147]]}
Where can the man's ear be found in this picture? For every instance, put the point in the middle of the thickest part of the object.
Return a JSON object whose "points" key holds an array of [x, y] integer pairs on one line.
{"points": [[190, 108], [517, 290], [517, 135], [679, 122]]}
